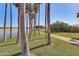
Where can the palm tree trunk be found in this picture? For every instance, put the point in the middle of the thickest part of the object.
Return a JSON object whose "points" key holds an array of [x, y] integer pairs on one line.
{"points": [[10, 20], [30, 30], [45, 20], [35, 17], [27, 23], [18, 34], [24, 40], [48, 25], [39, 20], [4, 39], [29, 27]]}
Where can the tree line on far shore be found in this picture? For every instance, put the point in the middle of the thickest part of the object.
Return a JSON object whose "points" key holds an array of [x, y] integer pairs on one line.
{"points": [[57, 27], [63, 27], [8, 27]]}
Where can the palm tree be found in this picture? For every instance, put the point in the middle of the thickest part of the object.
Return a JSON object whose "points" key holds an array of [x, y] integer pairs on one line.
{"points": [[39, 19], [36, 8], [45, 20], [31, 16], [10, 20], [31, 23], [48, 24], [27, 14], [5, 22], [18, 34], [24, 40]]}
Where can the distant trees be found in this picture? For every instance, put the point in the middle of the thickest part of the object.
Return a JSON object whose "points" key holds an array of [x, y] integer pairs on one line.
{"points": [[63, 27], [39, 26]]}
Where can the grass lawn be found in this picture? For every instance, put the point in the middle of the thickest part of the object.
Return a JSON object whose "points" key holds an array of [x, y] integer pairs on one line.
{"points": [[70, 35], [38, 46]]}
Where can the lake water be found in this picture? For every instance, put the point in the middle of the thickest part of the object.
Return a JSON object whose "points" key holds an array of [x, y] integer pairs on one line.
{"points": [[14, 33]]}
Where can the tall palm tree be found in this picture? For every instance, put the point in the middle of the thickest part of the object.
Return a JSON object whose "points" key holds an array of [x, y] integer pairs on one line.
{"points": [[31, 23], [27, 15], [30, 20], [18, 33], [36, 8], [39, 19], [48, 24], [45, 20], [24, 40], [10, 20], [5, 22]]}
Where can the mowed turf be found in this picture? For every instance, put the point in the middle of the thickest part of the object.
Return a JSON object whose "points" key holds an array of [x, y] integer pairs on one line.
{"points": [[69, 35], [38, 47]]}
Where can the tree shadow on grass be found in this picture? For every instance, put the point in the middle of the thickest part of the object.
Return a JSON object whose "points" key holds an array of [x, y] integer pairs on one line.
{"points": [[39, 46], [14, 43], [75, 38], [19, 53]]}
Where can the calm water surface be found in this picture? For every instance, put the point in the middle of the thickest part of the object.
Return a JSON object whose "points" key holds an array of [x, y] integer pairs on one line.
{"points": [[14, 33]]}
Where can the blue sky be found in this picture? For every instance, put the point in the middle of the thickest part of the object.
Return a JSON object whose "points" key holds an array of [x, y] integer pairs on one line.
{"points": [[59, 12], [64, 12]]}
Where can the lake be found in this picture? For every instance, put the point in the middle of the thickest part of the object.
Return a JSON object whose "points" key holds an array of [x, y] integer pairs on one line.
{"points": [[14, 33]]}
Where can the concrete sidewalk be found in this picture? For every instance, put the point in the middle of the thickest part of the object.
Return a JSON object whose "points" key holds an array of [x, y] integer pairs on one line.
{"points": [[69, 40], [62, 38]]}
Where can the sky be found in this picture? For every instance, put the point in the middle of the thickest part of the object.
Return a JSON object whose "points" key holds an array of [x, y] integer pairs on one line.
{"points": [[64, 12]]}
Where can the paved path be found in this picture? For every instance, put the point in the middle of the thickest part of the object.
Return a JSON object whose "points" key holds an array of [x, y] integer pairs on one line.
{"points": [[69, 40], [62, 38]]}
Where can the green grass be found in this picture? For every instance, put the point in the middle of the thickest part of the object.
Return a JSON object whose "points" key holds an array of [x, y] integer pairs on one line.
{"points": [[69, 35], [9, 48], [38, 46]]}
